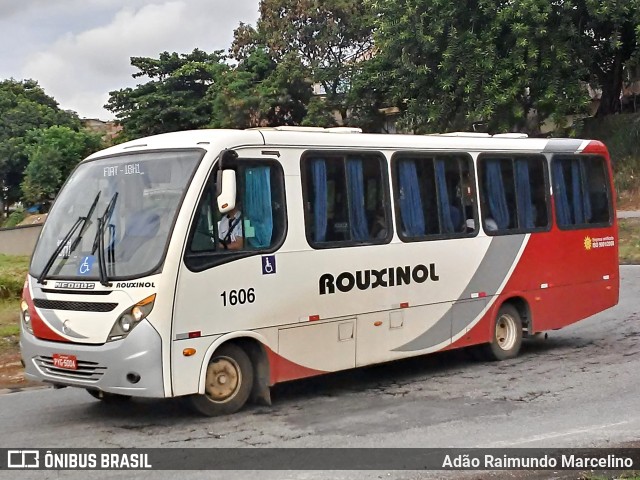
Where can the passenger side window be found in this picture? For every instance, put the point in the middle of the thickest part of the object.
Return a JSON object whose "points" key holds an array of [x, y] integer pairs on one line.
{"points": [[435, 196], [345, 198], [257, 223], [581, 191], [513, 193]]}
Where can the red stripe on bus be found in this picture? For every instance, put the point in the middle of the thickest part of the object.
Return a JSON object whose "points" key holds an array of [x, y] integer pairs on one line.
{"points": [[40, 329], [282, 369]]}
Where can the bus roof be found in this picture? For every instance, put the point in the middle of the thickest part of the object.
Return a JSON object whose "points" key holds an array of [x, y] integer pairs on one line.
{"points": [[345, 137]]}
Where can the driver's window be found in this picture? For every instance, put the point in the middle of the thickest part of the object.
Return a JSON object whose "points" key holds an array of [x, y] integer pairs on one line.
{"points": [[257, 223], [205, 231]]}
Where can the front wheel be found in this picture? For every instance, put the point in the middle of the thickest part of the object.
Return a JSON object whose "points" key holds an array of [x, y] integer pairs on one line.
{"points": [[506, 339], [228, 382]]}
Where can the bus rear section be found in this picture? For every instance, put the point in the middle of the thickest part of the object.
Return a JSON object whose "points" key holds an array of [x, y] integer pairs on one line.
{"points": [[568, 269]]}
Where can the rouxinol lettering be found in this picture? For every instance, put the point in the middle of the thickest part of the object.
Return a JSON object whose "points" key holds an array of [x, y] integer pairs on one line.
{"points": [[387, 277], [135, 285]]}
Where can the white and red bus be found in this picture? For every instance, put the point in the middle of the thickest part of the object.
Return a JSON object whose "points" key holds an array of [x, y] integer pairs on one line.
{"points": [[215, 263]]}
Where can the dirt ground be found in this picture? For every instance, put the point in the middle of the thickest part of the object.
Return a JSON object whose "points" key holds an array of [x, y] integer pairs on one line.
{"points": [[12, 373], [629, 201]]}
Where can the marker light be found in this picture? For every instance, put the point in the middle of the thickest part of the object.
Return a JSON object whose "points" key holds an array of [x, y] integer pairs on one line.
{"points": [[143, 308], [131, 317]]}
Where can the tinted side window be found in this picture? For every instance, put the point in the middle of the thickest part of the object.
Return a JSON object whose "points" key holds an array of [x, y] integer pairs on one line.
{"points": [[581, 191], [513, 192], [258, 222], [345, 198], [435, 196]]}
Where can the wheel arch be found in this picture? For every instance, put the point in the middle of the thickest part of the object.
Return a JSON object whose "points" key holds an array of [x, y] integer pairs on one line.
{"points": [[254, 346], [522, 305]]}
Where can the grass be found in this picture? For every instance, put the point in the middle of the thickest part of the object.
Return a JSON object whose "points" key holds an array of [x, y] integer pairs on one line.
{"points": [[9, 325], [629, 244], [13, 271]]}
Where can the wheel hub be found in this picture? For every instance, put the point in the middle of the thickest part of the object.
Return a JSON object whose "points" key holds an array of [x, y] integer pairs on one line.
{"points": [[506, 332], [223, 379]]}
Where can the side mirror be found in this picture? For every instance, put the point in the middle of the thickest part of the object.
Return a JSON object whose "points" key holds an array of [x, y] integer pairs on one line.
{"points": [[226, 190]]}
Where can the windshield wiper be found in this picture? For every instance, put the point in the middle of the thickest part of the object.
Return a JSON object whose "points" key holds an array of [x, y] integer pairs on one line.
{"points": [[98, 241], [80, 221], [85, 224], [56, 252]]}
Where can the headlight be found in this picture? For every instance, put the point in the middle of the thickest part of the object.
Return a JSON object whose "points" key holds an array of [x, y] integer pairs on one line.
{"points": [[126, 322], [131, 317], [26, 316]]}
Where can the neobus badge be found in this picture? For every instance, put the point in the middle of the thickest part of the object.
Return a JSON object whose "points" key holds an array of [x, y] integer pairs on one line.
{"points": [[387, 277], [76, 285]]}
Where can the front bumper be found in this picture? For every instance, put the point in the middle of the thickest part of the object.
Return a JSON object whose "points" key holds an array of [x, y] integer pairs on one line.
{"points": [[101, 367]]}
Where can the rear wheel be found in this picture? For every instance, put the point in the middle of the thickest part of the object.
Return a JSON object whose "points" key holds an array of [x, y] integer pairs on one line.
{"points": [[228, 382], [108, 397], [507, 335]]}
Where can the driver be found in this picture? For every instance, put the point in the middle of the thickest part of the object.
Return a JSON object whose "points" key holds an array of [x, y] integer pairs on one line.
{"points": [[230, 230]]}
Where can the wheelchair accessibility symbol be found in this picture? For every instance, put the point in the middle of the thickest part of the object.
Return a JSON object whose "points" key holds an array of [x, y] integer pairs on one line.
{"points": [[86, 265], [268, 264]]}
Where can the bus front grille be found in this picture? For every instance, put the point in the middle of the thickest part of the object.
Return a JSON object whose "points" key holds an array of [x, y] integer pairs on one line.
{"points": [[78, 306], [86, 371]]}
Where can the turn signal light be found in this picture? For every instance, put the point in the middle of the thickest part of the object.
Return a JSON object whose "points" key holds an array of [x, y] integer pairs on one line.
{"points": [[187, 352]]}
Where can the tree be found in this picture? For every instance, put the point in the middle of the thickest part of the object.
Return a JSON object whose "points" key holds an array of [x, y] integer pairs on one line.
{"points": [[175, 97], [53, 153], [260, 92], [24, 107], [328, 37], [449, 65], [608, 38]]}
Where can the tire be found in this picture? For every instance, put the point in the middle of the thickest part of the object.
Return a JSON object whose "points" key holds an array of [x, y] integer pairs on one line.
{"points": [[506, 335], [228, 383], [108, 397]]}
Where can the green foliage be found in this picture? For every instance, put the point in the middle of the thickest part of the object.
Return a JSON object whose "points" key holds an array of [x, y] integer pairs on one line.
{"points": [[318, 114], [449, 65], [14, 218], [13, 271], [607, 37], [260, 92], [53, 153], [23, 107], [9, 331], [175, 97], [295, 45], [326, 39], [621, 135]]}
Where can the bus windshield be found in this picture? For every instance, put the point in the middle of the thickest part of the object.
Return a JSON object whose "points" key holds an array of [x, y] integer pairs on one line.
{"points": [[113, 217]]}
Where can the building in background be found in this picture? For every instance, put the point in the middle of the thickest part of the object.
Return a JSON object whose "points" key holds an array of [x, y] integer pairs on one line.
{"points": [[108, 129]]}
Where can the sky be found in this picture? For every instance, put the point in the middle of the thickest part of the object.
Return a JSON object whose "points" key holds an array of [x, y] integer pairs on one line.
{"points": [[79, 50]]}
